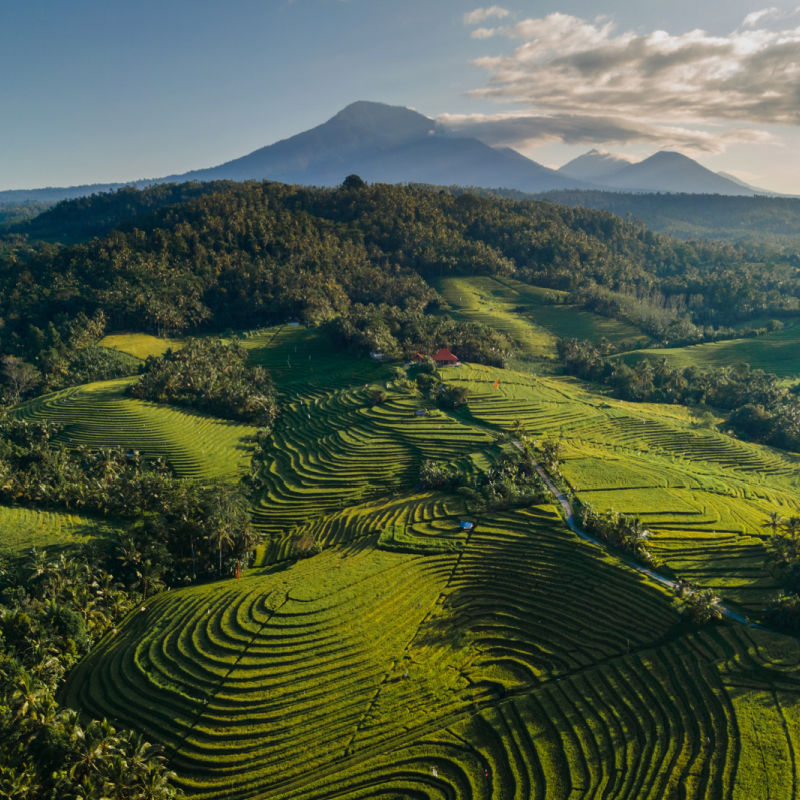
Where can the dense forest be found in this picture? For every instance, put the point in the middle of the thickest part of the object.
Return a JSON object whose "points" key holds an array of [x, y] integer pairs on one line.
{"points": [[193, 258]]}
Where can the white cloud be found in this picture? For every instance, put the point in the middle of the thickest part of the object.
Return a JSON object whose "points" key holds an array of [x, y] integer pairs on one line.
{"points": [[482, 14], [484, 33], [526, 130], [564, 66], [754, 16]]}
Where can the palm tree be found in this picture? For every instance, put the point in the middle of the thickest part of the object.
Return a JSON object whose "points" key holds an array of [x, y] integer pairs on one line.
{"points": [[774, 521], [703, 606]]}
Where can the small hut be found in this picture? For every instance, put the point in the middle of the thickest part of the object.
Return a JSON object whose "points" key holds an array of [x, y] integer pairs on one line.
{"points": [[444, 358]]}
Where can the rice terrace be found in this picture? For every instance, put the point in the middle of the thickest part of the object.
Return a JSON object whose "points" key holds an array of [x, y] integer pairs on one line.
{"points": [[348, 488]]}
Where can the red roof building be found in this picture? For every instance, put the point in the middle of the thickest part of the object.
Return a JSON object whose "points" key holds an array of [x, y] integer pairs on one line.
{"points": [[444, 358]]}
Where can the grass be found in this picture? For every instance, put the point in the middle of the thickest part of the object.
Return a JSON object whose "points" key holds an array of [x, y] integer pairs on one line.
{"points": [[705, 496], [778, 352], [527, 665], [306, 365], [337, 451], [267, 680], [409, 659], [140, 345]]}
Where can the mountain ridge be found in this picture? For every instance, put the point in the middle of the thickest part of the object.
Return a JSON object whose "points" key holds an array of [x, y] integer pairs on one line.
{"points": [[394, 144]]}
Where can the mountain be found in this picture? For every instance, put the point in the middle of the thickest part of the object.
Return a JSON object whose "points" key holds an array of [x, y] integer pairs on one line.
{"points": [[595, 166], [388, 144], [393, 144], [55, 194], [663, 172], [754, 189], [666, 171]]}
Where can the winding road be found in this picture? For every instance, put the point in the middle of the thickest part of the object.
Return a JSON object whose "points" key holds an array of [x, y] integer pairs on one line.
{"points": [[727, 611]]}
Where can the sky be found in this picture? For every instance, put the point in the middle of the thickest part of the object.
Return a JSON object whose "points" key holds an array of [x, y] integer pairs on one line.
{"points": [[116, 90]]}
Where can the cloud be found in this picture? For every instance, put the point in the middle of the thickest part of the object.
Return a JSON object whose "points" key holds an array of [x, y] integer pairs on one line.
{"points": [[484, 33], [525, 130], [754, 16], [566, 66], [482, 14]]}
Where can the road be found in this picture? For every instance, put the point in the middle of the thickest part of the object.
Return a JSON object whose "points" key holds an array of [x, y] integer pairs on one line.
{"points": [[727, 611]]}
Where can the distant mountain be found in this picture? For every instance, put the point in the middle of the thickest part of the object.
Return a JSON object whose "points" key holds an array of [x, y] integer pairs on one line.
{"points": [[393, 144], [594, 167], [666, 171], [54, 194], [754, 189], [389, 144]]}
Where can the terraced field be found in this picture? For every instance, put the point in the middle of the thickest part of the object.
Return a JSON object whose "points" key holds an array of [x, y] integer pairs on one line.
{"points": [[527, 665], [23, 528], [532, 317], [666, 722], [215, 669], [100, 415], [410, 659], [338, 451], [777, 352], [706, 497]]}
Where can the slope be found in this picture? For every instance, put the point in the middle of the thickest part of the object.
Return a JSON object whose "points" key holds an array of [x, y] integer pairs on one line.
{"points": [[388, 144]]}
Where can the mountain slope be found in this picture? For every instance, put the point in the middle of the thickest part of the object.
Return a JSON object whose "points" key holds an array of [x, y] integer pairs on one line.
{"points": [[595, 166], [666, 171], [389, 144]]}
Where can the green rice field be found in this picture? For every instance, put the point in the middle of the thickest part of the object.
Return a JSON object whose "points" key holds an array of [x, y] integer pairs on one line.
{"points": [[532, 317], [407, 658], [777, 351], [140, 345], [24, 528], [101, 415]]}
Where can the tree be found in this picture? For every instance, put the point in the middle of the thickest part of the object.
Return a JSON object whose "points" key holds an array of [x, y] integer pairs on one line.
{"points": [[353, 182], [702, 606], [19, 377]]}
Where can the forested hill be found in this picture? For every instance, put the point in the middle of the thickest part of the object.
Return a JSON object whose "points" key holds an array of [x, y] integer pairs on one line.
{"points": [[773, 221], [73, 220], [243, 255]]}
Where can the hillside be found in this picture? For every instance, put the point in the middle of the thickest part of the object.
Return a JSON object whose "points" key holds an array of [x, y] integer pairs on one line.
{"points": [[477, 581], [773, 221], [243, 255], [397, 669]]}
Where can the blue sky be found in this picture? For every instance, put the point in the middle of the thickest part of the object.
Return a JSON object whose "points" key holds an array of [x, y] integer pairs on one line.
{"points": [[105, 91]]}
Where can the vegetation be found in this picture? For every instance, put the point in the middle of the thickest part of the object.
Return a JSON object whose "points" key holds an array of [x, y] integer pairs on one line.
{"points": [[209, 375], [251, 254], [62, 357], [761, 409], [620, 531], [182, 529], [371, 593], [511, 481], [402, 334], [51, 611]]}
